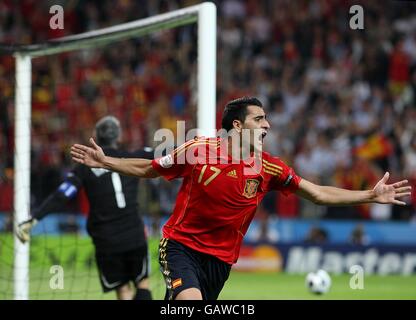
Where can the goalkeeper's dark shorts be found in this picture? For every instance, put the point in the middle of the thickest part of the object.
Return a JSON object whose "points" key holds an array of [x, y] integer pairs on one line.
{"points": [[185, 268], [117, 269]]}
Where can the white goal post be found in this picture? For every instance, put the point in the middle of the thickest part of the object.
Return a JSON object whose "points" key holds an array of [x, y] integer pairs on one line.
{"points": [[204, 14]]}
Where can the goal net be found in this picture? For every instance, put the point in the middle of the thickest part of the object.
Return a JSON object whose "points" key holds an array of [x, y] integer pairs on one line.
{"points": [[149, 73]]}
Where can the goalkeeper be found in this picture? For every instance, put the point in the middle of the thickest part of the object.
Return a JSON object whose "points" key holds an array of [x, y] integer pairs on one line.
{"points": [[116, 228]]}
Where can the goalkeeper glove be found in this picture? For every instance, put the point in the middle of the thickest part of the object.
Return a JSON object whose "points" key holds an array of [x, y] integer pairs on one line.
{"points": [[23, 229]]}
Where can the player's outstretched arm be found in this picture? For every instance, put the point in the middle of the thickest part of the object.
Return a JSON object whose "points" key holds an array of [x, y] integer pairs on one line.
{"points": [[381, 193], [53, 203], [94, 157]]}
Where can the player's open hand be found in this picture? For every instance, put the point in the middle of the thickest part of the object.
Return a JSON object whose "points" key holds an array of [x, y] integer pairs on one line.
{"points": [[90, 156], [389, 193], [23, 229]]}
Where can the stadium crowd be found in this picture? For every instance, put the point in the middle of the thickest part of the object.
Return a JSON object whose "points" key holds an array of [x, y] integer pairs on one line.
{"points": [[341, 102]]}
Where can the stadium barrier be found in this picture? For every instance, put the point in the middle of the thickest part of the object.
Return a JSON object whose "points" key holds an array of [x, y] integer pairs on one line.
{"points": [[334, 258], [338, 231], [284, 230]]}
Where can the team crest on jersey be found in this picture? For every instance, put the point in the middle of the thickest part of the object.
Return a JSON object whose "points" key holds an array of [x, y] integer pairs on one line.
{"points": [[250, 190]]}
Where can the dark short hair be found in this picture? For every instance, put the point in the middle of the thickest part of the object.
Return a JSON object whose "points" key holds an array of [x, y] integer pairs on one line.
{"points": [[108, 130], [237, 110]]}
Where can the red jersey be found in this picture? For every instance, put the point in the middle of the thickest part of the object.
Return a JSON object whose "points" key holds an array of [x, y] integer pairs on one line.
{"points": [[218, 199]]}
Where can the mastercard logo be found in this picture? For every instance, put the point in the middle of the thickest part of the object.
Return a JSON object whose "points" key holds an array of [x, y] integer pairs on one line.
{"points": [[264, 258]]}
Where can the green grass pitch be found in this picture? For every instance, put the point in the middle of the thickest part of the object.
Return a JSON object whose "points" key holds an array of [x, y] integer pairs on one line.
{"points": [[81, 281]]}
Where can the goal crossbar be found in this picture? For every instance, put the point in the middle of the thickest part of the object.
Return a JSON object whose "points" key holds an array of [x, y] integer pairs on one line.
{"points": [[120, 32]]}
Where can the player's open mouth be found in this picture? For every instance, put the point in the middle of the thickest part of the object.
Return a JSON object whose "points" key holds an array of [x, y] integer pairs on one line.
{"points": [[262, 136]]}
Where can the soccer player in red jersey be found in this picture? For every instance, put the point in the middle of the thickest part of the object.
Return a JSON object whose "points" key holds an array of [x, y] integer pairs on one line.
{"points": [[224, 180]]}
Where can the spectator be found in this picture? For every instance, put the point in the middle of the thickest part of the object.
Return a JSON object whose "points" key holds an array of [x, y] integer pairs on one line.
{"points": [[317, 235], [6, 197], [358, 236]]}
